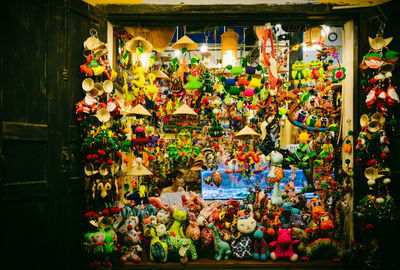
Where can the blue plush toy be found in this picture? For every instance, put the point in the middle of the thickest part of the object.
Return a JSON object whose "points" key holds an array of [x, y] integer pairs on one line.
{"points": [[261, 251]]}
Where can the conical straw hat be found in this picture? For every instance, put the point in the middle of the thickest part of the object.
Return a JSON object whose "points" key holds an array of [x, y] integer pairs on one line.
{"points": [[161, 75], [378, 117], [216, 102], [89, 169], [138, 170], [379, 43], [135, 42], [371, 173], [87, 84], [374, 126], [108, 86], [184, 110], [364, 120], [245, 133], [140, 110], [185, 42], [92, 43], [103, 115]]}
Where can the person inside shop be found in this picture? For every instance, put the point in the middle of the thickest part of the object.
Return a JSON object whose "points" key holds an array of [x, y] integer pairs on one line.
{"points": [[175, 181]]}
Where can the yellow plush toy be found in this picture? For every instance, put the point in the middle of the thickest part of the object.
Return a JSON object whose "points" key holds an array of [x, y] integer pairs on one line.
{"points": [[151, 90]]}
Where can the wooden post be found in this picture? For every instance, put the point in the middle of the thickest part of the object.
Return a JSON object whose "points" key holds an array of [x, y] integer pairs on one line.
{"points": [[349, 51], [110, 43]]}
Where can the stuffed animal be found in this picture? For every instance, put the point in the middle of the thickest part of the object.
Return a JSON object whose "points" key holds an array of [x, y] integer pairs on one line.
{"points": [[284, 246], [222, 249], [193, 230], [242, 245], [275, 175], [323, 248], [261, 251], [158, 249], [131, 248], [287, 213], [163, 217], [129, 224], [184, 247], [176, 228]]}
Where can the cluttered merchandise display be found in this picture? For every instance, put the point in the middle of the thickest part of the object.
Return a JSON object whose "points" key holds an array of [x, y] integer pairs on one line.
{"points": [[262, 145]]}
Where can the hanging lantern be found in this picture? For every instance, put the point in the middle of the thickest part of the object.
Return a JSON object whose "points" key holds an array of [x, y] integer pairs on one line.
{"points": [[229, 47], [315, 34]]}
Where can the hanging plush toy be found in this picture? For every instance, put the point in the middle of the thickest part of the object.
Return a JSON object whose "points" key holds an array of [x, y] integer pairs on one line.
{"points": [[275, 175]]}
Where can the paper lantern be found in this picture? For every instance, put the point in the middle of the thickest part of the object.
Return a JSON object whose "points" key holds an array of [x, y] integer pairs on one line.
{"points": [[229, 47], [315, 34]]}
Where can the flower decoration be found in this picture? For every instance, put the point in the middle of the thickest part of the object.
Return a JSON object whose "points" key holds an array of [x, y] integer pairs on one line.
{"points": [[339, 75], [335, 55]]}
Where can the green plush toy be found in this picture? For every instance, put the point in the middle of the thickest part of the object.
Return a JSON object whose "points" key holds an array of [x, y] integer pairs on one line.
{"points": [[184, 247], [236, 70], [193, 82], [222, 249], [176, 227], [158, 249], [323, 248]]}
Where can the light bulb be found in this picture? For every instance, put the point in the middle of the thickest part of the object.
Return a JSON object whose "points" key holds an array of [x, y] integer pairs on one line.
{"points": [[203, 48], [177, 53]]}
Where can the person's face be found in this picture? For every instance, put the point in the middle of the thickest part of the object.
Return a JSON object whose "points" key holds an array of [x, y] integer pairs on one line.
{"points": [[179, 181]]}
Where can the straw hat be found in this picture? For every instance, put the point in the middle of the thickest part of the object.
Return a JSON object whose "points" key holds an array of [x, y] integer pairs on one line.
{"points": [[135, 42], [378, 117], [374, 126], [216, 102], [99, 87], [114, 168], [387, 67], [139, 169], [139, 110], [184, 110], [103, 115], [103, 169], [89, 169], [378, 43], [160, 75], [101, 50], [185, 42], [364, 120], [87, 84], [92, 43], [371, 173], [108, 86], [246, 133]]}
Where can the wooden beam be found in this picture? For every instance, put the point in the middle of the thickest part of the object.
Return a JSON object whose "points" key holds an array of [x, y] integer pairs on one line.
{"points": [[150, 9], [233, 15], [349, 52]]}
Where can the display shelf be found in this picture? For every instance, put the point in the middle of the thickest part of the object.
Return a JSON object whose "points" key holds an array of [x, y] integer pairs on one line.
{"points": [[204, 263]]}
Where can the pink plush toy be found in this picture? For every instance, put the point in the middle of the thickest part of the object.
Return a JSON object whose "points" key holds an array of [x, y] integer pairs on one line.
{"points": [[284, 246]]}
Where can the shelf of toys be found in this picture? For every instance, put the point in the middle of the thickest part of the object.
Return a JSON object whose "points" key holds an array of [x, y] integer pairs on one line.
{"points": [[151, 117]]}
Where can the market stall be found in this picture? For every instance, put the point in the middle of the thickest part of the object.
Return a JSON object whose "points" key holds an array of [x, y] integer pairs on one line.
{"points": [[198, 152]]}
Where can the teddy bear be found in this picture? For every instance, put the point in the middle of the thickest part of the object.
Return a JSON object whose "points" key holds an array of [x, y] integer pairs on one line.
{"points": [[242, 244]]}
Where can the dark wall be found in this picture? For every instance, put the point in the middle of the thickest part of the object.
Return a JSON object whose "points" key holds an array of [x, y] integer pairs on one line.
{"points": [[41, 184]]}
